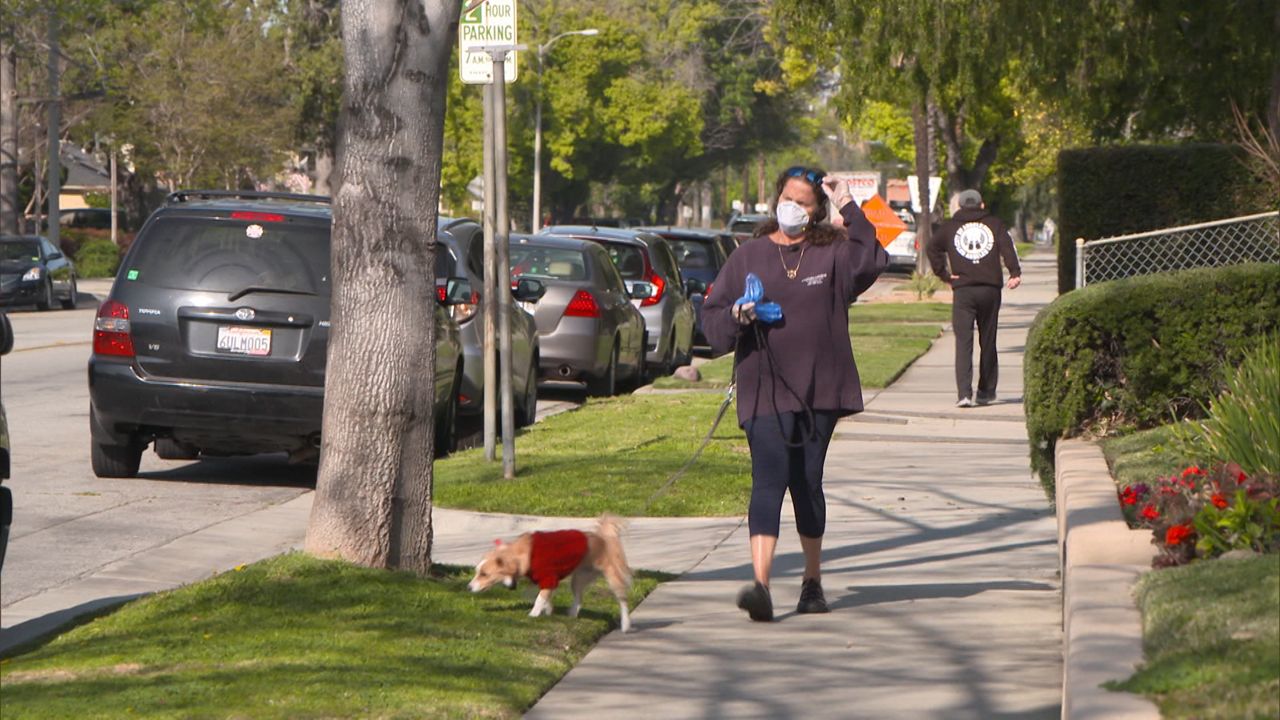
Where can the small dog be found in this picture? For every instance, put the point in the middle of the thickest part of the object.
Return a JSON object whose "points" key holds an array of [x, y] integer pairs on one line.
{"points": [[546, 558]]}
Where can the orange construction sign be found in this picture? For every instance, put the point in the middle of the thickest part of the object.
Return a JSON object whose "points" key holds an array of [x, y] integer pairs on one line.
{"points": [[888, 224]]}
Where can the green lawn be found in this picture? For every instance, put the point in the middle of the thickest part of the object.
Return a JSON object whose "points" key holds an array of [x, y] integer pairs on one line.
{"points": [[1212, 637], [887, 338], [611, 455], [297, 637], [1143, 456]]}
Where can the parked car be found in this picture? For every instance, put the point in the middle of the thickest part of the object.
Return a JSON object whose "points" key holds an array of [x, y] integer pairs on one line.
{"points": [[463, 256], [644, 257], [94, 218], [213, 338], [588, 330], [34, 272], [700, 255], [6, 497], [743, 225], [905, 248]]}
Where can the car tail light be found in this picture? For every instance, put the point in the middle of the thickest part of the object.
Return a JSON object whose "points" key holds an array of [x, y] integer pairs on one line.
{"points": [[111, 331], [707, 294], [658, 286], [583, 304], [442, 295], [256, 216]]}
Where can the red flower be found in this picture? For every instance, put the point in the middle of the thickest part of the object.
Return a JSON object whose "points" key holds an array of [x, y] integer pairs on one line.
{"points": [[1129, 496], [1218, 501], [1193, 470], [1177, 534], [1150, 513], [1241, 477]]}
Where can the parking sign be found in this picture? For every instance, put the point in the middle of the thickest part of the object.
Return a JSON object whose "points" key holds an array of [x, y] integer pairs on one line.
{"points": [[492, 22]]}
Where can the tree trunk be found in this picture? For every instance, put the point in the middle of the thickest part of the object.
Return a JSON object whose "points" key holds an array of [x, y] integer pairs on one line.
{"points": [[373, 495], [1273, 107], [9, 211], [924, 220], [960, 177]]}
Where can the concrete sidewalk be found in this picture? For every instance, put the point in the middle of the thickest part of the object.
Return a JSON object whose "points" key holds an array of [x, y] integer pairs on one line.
{"points": [[940, 567]]}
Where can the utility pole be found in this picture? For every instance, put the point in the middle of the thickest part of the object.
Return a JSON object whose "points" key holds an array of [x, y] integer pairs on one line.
{"points": [[53, 172]]}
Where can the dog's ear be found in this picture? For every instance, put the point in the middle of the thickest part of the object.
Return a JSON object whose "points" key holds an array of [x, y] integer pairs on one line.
{"points": [[502, 563]]}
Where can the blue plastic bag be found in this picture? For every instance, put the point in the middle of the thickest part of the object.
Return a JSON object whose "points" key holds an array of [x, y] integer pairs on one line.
{"points": [[766, 312]]}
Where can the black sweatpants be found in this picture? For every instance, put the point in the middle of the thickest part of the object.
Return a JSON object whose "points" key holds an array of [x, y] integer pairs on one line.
{"points": [[777, 467], [980, 304]]}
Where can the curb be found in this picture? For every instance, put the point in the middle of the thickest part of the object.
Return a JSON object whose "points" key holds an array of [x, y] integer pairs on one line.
{"points": [[1101, 558]]}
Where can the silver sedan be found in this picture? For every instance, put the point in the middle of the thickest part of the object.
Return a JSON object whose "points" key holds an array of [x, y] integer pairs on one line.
{"points": [[588, 330]]}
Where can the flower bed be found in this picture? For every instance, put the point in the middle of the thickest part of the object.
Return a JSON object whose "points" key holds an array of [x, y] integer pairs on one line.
{"points": [[1205, 513]]}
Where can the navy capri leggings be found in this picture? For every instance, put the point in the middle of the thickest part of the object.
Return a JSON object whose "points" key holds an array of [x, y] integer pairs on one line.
{"points": [[777, 467]]}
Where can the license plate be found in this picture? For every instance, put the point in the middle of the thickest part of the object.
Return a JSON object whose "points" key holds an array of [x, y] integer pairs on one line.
{"points": [[237, 340]]}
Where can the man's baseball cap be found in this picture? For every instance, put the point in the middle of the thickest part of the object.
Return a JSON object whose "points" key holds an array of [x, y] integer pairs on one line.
{"points": [[969, 199]]}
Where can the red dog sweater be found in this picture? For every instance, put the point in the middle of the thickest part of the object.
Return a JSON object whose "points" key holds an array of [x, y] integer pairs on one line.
{"points": [[555, 555]]}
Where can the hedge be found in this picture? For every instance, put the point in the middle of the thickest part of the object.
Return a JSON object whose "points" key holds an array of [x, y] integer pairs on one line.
{"points": [[1109, 191], [1141, 352]]}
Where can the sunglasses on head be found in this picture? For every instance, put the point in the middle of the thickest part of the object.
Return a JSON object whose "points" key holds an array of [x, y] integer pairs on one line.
{"points": [[813, 177]]}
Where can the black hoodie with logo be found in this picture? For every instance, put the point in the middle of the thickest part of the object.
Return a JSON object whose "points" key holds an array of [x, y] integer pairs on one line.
{"points": [[966, 250]]}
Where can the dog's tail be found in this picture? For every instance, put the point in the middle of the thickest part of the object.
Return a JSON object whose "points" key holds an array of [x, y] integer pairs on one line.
{"points": [[610, 527]]}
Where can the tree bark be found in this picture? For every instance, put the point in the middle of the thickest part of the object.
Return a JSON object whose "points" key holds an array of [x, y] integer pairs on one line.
{"points": [[9, 211], [373, 494]]}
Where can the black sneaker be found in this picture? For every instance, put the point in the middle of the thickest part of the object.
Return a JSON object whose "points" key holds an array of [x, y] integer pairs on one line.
{"points": [[811, 598], [984, 400], [757, 602]]}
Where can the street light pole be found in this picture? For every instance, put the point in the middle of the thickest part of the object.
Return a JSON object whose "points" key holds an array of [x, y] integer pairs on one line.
{"points": [[536, 223]]}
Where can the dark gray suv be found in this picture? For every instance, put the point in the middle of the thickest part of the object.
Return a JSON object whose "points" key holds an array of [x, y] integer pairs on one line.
{"points": [[213, 338]]}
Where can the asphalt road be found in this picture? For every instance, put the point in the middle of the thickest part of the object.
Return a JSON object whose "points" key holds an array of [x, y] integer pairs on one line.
{"points": [[69, 523]]}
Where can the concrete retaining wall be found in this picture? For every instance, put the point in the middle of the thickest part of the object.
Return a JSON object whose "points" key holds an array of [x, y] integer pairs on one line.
{"points": [[1101, 559]]}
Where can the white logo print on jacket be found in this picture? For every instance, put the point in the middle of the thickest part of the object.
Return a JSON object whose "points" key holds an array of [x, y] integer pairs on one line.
{"points": [[974, 241]]}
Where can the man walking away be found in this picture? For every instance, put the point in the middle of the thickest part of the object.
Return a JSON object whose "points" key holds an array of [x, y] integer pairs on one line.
{"points": [[966, 253]]}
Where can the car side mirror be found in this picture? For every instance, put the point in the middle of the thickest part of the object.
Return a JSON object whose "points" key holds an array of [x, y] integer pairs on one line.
{"points": [[695, 286], [640, 290], [529, 290], [457, 291], [54, 256], [6, 334]]}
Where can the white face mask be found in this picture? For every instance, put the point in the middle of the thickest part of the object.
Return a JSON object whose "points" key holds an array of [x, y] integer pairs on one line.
{"points": [[792, 218]]}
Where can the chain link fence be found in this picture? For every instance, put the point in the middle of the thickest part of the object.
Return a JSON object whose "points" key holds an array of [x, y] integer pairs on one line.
{"points": [[1253, 238]]}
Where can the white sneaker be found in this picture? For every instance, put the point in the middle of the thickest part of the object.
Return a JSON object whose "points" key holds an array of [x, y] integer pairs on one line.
{"points": [[964, 402]]}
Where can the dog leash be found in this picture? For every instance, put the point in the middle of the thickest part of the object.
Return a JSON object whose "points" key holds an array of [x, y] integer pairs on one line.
{"points": [[724, 406]]}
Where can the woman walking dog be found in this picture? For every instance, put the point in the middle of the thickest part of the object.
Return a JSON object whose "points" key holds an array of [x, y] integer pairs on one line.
{"points": [[794, 363]]}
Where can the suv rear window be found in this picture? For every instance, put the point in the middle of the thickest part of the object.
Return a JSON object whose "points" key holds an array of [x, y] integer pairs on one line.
{"points": [[696, 254], [226, 255], [629, 260]]}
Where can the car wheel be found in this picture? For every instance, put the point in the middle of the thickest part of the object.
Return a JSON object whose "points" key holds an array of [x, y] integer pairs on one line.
{"points": [[70, 302], [46, 298], [529, 408], [170, 449], [607, 384], [447, 425], [116, 461]]}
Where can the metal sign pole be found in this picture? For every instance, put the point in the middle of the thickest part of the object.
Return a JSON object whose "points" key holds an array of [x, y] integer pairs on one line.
{"points": [[502, 296], [490, 281]]}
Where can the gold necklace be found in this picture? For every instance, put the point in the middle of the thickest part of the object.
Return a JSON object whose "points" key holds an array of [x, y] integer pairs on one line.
{"points": [[791, 273]]}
